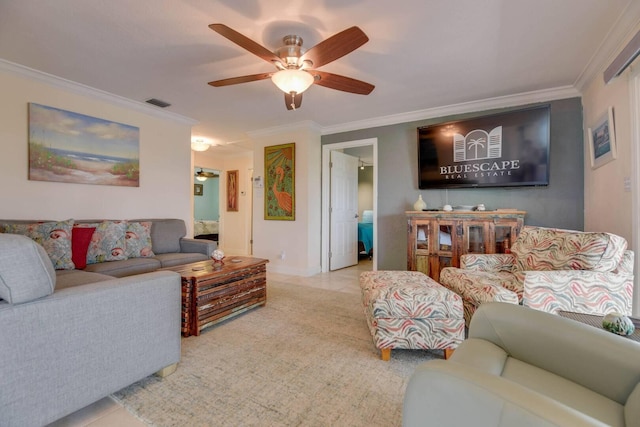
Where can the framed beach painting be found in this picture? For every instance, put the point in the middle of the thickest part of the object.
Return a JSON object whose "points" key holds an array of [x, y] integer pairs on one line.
{"points": [[279, 170], [232, 191], [70, 147], [602, 140]]}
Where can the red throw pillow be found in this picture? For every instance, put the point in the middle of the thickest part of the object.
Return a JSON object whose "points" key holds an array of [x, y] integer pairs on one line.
{"points": [[80, 239]]}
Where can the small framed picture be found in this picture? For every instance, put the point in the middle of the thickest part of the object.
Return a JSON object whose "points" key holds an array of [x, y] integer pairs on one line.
{"points": [[197, 189], [601, 138], [232, 191]]}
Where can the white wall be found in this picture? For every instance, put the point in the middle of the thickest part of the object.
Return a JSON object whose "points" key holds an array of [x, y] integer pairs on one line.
{"points": [[607, 204], [165, 163], [299, 239], [365, 190], [236, 229]]}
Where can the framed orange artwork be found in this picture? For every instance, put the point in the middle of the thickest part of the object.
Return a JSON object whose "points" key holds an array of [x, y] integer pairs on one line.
{"points": [[232, 191], [279, 170]]}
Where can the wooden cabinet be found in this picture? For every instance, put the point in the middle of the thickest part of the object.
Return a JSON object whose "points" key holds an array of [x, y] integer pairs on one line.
{"points": [[437, 239]]}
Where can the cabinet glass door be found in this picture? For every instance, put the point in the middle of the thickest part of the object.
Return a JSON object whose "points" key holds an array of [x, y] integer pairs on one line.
{"points": [[445, 237], [423, 235], [445, 245], [475, 239], [504, 238]]}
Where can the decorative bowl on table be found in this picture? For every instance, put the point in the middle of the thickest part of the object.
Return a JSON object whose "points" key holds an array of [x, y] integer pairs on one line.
{"points": [[463, 208], [618, 324], [217, 256]]}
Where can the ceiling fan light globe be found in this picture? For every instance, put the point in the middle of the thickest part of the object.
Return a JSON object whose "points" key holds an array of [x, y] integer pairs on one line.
{"points": [[200, 145], [201, 178], [292, 80]]}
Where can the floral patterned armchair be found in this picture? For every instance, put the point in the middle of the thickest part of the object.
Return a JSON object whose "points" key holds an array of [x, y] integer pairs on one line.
{"points": [[550, 270]]}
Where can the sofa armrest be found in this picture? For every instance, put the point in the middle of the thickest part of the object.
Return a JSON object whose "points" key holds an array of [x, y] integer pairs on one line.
{"points": [[200, 246], [453, 394], [577, 352], [589, 292], [65, 351], [626, 264], [488, 262]]}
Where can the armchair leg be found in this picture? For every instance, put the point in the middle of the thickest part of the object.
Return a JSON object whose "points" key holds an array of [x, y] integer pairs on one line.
{"points": [[385, 354]]}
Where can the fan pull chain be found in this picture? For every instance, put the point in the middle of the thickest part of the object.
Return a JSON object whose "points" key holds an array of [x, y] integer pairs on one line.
{"points": [[293, 100]]}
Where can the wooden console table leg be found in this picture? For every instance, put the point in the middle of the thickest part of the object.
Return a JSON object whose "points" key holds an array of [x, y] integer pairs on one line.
{"points": [[448, 352], [385, 354]]}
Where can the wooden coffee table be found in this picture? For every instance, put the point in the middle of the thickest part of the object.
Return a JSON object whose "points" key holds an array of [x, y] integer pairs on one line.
{"points": [[212, 292]]}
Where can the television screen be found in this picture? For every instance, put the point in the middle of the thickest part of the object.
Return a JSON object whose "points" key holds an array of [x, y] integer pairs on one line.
{"points": [[502, 150]]}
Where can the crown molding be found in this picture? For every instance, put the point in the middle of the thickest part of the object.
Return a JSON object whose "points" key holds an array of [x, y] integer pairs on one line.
{"points": [[80, 89], [465, 107], [307, 125], [621, 33]]}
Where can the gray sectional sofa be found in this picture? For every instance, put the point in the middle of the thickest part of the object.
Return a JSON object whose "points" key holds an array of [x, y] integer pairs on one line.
{"points": [[71, 337], [170, 248]]}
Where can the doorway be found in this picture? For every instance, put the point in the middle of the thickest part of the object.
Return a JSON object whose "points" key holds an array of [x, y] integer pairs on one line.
{"points": [[370, 144], [206, 204]]}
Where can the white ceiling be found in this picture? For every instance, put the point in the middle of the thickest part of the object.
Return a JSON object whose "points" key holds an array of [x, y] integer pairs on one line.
{"points": [[422, 54]]}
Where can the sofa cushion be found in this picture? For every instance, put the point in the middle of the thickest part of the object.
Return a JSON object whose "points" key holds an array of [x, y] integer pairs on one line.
{"points": [[26, 271], [567, 392], [166, 235], [54, 236], [80, 239], [108, 241], [543, 249], [127, 267], [138, 240], [70, 278], [406, 295], [173, 259]]}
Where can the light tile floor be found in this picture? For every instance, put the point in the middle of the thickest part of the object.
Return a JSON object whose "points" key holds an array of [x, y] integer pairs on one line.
{"points": [[109, 413]]}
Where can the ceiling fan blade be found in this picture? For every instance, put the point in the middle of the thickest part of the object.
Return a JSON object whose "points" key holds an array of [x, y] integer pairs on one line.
{"points": [[241, 79], [335, 47], [245, 42], [337, 82], [293, 102]]}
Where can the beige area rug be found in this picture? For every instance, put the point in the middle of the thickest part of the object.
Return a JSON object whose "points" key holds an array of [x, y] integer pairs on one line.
{"points": [[304, 359]]}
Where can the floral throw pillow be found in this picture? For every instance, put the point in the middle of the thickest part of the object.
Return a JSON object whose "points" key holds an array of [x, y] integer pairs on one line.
{"points": [[54, 237], [138, 240], [107, 242]]}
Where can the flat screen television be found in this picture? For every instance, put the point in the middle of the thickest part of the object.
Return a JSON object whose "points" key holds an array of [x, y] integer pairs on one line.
{"points": [[501, 150]]}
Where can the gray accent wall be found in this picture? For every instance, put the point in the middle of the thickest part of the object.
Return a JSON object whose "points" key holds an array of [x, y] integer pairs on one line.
{"points": [[560, 204]]}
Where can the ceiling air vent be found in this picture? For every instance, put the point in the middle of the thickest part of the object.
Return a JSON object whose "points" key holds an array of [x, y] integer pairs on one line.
{"points": [[158, 103]]}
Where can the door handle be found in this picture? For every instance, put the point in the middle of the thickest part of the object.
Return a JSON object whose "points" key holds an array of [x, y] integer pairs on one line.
{"points": [[357, 216]]}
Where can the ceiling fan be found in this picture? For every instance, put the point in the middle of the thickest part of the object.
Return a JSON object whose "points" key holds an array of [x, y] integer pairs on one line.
{"points": [[202, 175], [297, 67]]}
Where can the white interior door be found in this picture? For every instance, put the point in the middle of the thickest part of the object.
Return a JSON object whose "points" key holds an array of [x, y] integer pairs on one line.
{"points": [[343, 211]]}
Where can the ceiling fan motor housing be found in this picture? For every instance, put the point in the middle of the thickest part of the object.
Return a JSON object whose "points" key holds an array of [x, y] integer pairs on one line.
{"points": [[291, 51]]}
